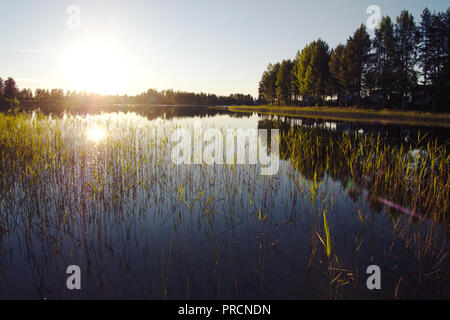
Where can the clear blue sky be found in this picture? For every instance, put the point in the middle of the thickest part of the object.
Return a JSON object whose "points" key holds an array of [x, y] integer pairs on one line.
{"points": [[199, 45]]}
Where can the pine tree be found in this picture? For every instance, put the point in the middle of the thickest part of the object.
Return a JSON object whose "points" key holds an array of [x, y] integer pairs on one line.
{"points": [[406, 40], [357, 53], [283, 83], [312, 69], [337, 66], [384, 58], [10, 90]]}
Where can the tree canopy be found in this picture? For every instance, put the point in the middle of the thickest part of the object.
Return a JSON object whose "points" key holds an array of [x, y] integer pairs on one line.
{"points": [[392, 69]]}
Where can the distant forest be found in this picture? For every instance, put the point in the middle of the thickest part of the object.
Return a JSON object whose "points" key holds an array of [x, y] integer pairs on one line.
{"points": [[405, 65], [12, 97]]}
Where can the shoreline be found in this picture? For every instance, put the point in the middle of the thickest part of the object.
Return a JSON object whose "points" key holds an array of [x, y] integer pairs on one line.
{"points": [[352, 114]]}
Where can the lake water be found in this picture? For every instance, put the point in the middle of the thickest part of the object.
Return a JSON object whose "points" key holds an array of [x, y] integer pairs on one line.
{"points": [[109, 199]]}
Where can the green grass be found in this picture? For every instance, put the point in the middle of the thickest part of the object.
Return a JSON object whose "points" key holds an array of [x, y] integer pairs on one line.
{"points": [[352, 114]]}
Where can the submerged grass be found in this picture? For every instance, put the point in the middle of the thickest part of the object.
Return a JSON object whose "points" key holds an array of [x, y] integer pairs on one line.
{"points": [[119, 207], [413, 177]]}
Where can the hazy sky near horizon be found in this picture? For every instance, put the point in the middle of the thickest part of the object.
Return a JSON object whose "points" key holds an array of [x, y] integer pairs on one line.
{"points": [[210, 46]]}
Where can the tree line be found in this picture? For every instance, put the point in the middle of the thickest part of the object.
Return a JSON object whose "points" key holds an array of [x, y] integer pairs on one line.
{"points": [[11, 96], [404, 65], [152, 96]]}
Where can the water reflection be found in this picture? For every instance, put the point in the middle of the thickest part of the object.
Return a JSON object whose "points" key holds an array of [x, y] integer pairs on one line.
{"points": [[140, 227], [317, 151], [95, 133]]}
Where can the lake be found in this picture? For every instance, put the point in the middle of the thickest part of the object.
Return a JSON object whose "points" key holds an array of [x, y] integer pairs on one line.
{"points": [[101, 191]]}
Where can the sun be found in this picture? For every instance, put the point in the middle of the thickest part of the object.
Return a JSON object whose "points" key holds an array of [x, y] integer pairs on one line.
{"points": [[95, 65]]}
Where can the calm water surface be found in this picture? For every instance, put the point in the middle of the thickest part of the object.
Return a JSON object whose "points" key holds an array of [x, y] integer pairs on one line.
{"points": [[141, 227]]}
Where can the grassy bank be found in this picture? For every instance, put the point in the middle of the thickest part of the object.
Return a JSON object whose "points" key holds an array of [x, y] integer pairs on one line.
{"points": [[353, 114]]}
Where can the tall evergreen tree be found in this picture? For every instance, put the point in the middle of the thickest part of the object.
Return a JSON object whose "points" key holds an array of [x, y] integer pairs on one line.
{"points": [[446, 59], [434, 56], [357, 53], [337, 66], [425, 45], [384, 58], [269, 82], [312, 69], [440, 60], [406, 38], [10, 90], [294, 83], [261, 98], [283, 83]]}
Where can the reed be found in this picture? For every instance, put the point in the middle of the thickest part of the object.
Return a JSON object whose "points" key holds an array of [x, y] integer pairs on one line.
{"points": [[118, 206]]}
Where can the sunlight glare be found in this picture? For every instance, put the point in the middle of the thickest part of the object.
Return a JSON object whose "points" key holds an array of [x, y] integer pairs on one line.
{"points": [[95, 65], [96, 133]]}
